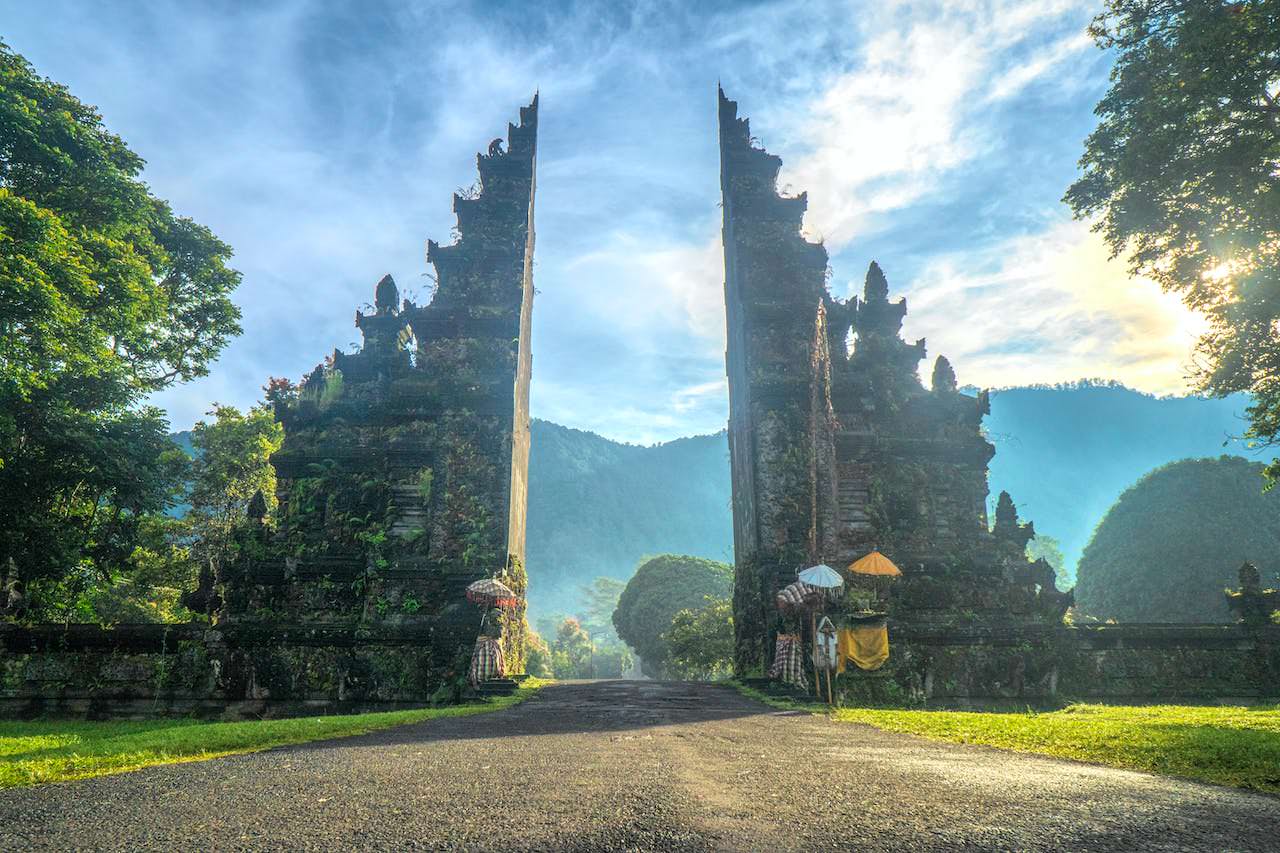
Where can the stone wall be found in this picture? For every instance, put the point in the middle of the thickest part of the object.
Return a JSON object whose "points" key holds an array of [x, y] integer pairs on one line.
{"points": [[245, 671], [228, 672], [1041, 664]]}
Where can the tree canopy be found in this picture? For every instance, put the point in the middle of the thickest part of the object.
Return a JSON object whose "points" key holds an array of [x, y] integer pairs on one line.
{"points": [[105, 297], [700, 642], [661, 587], [1175, 540], [1183, 175]]}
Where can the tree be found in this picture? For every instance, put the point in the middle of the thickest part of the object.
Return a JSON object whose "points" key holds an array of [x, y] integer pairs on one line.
{"points": [[1175, 540], [231, 467], [662, 587], [599, 600], [105, 296], [571, 651], [1183, 175], [700, 642], [1050, 550], [537, 660]]}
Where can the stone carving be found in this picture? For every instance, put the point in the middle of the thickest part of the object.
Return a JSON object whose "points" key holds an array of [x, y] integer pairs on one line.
{"points": [[402, 474], [836, 447]]}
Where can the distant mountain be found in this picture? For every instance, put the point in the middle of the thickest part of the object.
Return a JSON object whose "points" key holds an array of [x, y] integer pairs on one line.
{"points": [[1065, 454], [1175, 540], [597, 507]]}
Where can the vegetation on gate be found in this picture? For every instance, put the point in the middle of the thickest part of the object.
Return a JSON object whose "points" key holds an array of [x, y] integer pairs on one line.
{"points": [[41, 751], [105, 297], [1181, 173], [1175, 540], [661, 587]]}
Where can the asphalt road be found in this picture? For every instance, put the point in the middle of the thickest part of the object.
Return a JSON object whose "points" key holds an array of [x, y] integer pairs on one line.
{"points": [[638, 766]]}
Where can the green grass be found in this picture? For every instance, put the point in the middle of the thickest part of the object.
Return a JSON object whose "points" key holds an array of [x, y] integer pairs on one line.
{"points": [[39, 751], [1230, 745]]}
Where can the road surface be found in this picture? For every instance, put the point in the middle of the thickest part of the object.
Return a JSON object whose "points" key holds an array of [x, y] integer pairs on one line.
{"points": [[642, 766]]}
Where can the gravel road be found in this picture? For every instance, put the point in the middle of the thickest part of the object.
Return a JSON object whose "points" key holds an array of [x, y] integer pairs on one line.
{"points": [[640, 766]]}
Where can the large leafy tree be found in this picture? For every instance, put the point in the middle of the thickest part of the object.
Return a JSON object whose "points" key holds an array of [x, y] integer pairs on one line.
{"points": [[231, 466], [700, 642], [661, 587], [1175, 540], [105, 297], [1183, 175]]}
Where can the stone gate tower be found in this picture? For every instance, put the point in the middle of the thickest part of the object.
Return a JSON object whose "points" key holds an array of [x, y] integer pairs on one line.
{"points": [[836, 446], [403, 475]]}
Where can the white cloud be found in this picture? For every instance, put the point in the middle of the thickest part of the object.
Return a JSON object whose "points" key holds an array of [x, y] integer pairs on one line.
{"points": [[1050, 308], [917, 104]]}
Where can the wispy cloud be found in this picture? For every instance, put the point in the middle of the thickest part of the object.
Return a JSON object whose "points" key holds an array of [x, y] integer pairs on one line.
{"points": [[323, 143]]}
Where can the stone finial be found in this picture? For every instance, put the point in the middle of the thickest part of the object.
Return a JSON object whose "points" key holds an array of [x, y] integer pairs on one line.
{"points": [[1007, 527], [257, 510], [1253, 603], [1250, 578], [1006, 511], [876, 288], [944, 376], [386, 296]]}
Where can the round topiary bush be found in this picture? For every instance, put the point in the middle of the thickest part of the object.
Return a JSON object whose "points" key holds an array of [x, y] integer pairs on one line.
{"points": [[1175, 540], [661, 587]]}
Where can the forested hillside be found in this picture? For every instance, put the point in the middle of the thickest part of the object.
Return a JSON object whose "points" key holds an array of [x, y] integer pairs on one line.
{"points": [[1066, 453], [1175, 540], [597, 507]]}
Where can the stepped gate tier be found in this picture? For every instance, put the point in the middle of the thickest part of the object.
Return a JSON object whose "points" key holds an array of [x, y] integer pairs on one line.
{"points": [[837, 449], [403, 478]]}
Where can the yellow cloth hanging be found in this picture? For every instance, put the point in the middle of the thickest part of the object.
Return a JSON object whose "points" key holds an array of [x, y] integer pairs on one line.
{"points": [[866, 645]]}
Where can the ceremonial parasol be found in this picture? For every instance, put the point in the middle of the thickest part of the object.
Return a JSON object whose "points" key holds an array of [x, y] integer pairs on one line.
{"points": [[797, 596], [491, 592], [822, 576], [875, 563], [825, 579]]}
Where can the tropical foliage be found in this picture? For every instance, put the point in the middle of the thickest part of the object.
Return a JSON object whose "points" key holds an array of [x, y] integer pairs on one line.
{"points": [[700, 642], [105, 297], [1183, 175], [1175, 540], [231, 466], [661, 587]]}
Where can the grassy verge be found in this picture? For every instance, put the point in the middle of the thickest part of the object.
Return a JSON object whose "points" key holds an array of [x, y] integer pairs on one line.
{"points": [[1233, 746], [41, 751]]}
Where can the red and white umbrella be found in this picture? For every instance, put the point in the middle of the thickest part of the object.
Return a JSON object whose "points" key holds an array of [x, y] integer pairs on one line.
{"points": [[491, 592]]}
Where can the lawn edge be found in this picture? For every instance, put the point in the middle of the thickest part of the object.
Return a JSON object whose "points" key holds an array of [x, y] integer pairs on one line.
{"points": [[527, 690], [822, 710]]}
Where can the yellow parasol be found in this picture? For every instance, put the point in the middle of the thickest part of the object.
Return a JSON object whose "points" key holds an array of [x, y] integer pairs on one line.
{"points": [[875, 563]]}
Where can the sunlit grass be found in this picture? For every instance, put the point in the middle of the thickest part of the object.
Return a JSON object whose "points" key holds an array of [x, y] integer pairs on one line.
{"points": [[41, 751], [1227, 745]]}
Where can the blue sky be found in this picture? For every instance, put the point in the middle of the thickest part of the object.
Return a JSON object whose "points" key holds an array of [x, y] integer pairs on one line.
{"points": [[323, 140]]}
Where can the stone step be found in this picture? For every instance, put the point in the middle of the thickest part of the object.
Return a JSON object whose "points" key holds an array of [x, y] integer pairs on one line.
{"points": [[497, 687]]}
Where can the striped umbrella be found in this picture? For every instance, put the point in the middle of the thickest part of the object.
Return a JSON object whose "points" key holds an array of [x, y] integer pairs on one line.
{"points": [[491, 592], [797, 596]]}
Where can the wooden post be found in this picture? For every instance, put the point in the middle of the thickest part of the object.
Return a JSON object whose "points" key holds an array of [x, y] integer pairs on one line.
{"points": [[817, 673]]}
